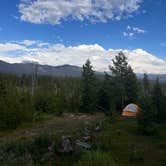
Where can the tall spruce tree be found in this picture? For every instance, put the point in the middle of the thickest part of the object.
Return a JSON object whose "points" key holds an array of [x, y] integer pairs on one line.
{"points": [[146, 114], [131, 86], [158, 101], [88, 88], [3, 87], [125, 79], [146, 85], [103, 95], [157, 94]]}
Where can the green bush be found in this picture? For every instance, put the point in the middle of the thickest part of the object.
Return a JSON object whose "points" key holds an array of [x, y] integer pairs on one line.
{"points": [[39, 147], [10, 112], [96, 158], [48, 102], [146, 117], [15, 153], [27, 108], [43, 102], [32, 151], [136, 157], [60, 103], [162, 145], [15, 108], [104, 142]]}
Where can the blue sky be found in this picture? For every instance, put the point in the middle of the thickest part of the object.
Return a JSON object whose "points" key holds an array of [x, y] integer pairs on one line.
{"points": [[136, 24]]}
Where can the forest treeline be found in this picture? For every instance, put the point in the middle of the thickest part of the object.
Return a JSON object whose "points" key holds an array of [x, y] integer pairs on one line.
{"points": [[89, 93]]}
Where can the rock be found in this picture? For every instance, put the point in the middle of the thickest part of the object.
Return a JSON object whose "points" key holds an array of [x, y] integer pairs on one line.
{"points": [[83, 144], [66, 145], [87, 138], [98, 128], [50, 148], [86, 132]]}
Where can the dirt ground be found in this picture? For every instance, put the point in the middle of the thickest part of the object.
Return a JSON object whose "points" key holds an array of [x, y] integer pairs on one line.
{"points": [[65, 124]]}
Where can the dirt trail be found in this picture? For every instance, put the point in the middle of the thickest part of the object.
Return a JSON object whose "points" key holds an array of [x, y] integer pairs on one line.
{"points": [[67, 123]]}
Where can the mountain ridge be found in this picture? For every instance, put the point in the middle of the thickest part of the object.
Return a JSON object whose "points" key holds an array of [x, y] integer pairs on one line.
{"points": [[26, 68], [65, 70]]}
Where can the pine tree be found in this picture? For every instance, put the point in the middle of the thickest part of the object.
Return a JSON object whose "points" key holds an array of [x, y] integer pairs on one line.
{"points": [[103, 95], [146, 116], [10, 110], [125, 79], [158, 101], [131, 86], [152, 105], [88, 88], [3, 87], [146, 85]]}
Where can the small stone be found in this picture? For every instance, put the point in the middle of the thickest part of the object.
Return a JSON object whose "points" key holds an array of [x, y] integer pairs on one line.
{"points": [[50, 148], [87, 138], [66, 145], [83, 144], [97, 129]]}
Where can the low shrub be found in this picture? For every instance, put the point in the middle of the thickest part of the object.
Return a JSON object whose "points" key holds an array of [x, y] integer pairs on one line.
{"points": [[135, 157], [10, 112], [96, 158], [39, 147], [104, 142], [162, 145]]}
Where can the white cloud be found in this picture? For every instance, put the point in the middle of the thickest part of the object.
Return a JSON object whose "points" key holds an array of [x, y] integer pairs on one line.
{"points": [[28, 42], [7, 47], [138, 30], [133, 31], [58, 54], [128, 34], [56, 11], [128, 27]]}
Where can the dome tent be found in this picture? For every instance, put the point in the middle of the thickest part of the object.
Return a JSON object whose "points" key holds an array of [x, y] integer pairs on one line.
{"points": [[130, 110]]}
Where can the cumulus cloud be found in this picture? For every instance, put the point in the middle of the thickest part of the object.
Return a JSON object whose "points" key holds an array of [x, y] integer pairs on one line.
{"points": [[28, 42], [8, 47], [133, 31], [58, 54], [31, 43], [56, 11]]}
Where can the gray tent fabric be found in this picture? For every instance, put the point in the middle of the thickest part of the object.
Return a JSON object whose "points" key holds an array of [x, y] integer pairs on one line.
{"points": [[131, 107]]}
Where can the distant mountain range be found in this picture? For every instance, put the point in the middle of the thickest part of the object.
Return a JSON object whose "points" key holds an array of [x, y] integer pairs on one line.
{"points": [[64, 70], [26, 68]]}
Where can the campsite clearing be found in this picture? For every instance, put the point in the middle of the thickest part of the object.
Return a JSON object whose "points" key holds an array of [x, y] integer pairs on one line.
{"points": [[117, 142]]}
